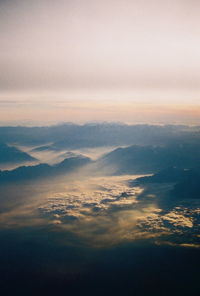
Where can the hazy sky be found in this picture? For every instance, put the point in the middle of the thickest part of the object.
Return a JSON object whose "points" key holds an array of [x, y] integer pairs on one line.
{"points": [[81, 60]]}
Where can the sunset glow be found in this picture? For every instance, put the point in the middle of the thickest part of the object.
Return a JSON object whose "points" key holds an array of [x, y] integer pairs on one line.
{"points": [[99, 60]]}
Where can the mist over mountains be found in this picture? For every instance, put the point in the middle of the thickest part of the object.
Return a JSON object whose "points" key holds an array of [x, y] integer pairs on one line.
{"points": [[95, 135], [64, 201], [145, 148], [42, 171]]}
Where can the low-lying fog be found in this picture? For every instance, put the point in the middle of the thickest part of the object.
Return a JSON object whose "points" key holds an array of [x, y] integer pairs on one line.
{"points": [[76, 220], [98, 210]]}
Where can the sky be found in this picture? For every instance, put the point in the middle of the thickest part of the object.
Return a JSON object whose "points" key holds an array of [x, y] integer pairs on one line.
{"points": [[116, 60]]}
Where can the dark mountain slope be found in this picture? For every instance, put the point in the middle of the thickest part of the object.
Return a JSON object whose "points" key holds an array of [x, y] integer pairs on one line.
{"points": [[43, 170], [150, 159], [187, 182], [169, 175], [9, 154], [189, 187]]}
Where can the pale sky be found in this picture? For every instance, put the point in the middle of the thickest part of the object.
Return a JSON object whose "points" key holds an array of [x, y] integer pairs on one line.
{"points": [[115, 60]]}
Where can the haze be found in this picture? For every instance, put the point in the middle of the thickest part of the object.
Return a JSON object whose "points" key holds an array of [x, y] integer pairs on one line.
{"points": [[132, 61]]}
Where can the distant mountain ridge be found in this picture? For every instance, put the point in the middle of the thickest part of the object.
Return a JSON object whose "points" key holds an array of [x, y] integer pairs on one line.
{"points": [[96, 135]]}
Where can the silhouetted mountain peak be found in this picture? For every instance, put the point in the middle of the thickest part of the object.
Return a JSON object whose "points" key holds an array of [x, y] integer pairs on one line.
{"points": [[10, 154]]}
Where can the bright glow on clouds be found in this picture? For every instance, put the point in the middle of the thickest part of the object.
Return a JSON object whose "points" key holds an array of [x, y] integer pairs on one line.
{"points": [[136, 52], [104, 211]]}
